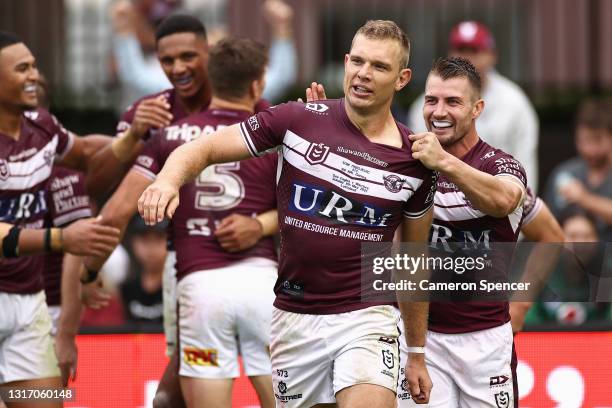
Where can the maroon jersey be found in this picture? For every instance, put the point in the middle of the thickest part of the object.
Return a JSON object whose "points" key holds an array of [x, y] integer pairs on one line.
{"points": [[335, 190], [25, 167], [67, 201], [176, 109], [246, 187], [456, 221]]}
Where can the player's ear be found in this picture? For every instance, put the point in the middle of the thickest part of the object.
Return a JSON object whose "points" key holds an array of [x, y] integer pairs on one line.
{"points": [[403, 79], [478, 108]]}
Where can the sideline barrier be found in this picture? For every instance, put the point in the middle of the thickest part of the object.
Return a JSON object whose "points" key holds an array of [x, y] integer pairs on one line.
{"points": [[556, 369]]}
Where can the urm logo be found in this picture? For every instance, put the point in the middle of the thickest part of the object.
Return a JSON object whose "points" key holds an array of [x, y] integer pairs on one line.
{"points": [[329, 204]]}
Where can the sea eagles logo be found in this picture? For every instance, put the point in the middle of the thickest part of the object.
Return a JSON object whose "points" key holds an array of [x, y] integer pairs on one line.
{"points": [[317, 153], [502, 399], [282, 387], [317, 107], [388, 359], [393, 183], [4, 170]]}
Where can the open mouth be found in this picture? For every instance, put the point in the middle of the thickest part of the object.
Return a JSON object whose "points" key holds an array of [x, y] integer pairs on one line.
{"points": [[183, 82], [361, 90], [30, 88], [441, 124]]}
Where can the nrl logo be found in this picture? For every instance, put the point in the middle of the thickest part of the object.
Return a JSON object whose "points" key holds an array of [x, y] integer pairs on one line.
{"points": [[502, 399], [393, 183], [388, 359], [4, 170], [317, 153]]}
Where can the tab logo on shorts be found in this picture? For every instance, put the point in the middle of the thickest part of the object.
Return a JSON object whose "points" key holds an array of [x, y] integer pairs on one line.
{"points": [[317, 153], [498, 380], [502, 399], [201, 357], [4, 170], [387, 340], [388, 359]]}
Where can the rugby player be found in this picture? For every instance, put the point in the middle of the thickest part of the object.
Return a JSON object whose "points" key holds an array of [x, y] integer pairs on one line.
{"points": [[31, 140], [470, 349], [329, 347], [226, 263]]}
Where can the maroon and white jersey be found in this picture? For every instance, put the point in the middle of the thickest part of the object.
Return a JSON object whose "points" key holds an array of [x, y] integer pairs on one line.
{"points": [[246, 187], [336, 189], [531, 206], [25, 167], [456, 221], [67, 201]]}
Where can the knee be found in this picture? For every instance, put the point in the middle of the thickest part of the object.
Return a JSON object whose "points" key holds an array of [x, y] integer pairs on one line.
{"points": [[162, 400]]}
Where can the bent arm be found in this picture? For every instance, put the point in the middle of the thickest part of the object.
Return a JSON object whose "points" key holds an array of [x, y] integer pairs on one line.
{"points": [[497, 196]]}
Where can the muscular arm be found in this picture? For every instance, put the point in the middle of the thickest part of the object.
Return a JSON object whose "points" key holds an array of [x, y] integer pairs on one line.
{"points": [[497, 196], [414, 315], [184, 164], [120, 208]]}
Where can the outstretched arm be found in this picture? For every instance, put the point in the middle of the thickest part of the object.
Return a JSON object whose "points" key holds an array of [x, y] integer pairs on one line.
{"points": [[183, 165]]}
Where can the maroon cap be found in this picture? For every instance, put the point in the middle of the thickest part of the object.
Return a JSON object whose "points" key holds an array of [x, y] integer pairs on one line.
{"points": [[471, 34]]}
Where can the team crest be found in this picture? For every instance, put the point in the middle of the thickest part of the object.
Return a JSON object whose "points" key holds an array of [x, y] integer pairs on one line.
{"points": [[4, 170], [317, 153], [393, 183], [282, 387], [502, 399], [388, 359]]}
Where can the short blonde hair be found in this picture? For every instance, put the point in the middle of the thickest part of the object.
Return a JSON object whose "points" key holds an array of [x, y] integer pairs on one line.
{"points": [[387, 30]]}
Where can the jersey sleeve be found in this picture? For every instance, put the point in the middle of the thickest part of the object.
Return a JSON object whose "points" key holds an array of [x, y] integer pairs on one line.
{"points": [[503, 164], [50, 124], [531, 206], [154, 155], [126, 119], [67, 198], [265, 130], [423, 197]]}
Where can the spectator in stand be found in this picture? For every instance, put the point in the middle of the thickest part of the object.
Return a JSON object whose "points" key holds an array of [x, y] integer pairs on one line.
{"points": [[509, 121], [142, 294], [585, 182], [564, 301]]}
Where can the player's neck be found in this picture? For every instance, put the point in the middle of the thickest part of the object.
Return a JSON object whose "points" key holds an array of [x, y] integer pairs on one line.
{"points": [[244, 104], [196, 103], [463, 145], [377, 126], [10, 123]]}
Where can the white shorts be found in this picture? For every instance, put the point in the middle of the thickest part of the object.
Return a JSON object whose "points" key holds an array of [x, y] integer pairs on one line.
{"points": [[468, 370], [224, 312], [316, 356], [26, 347], [169, 298], [54, 313]]}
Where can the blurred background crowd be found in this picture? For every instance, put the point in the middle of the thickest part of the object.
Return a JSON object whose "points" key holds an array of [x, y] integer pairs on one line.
{"points": [[546, 66]]}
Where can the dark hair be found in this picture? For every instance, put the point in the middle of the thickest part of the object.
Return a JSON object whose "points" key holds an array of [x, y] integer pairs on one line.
{"points": [[594, 114], [179, 23], [7, 39], [457, 67], [573, 211], [387, 30], [234, 63]]}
